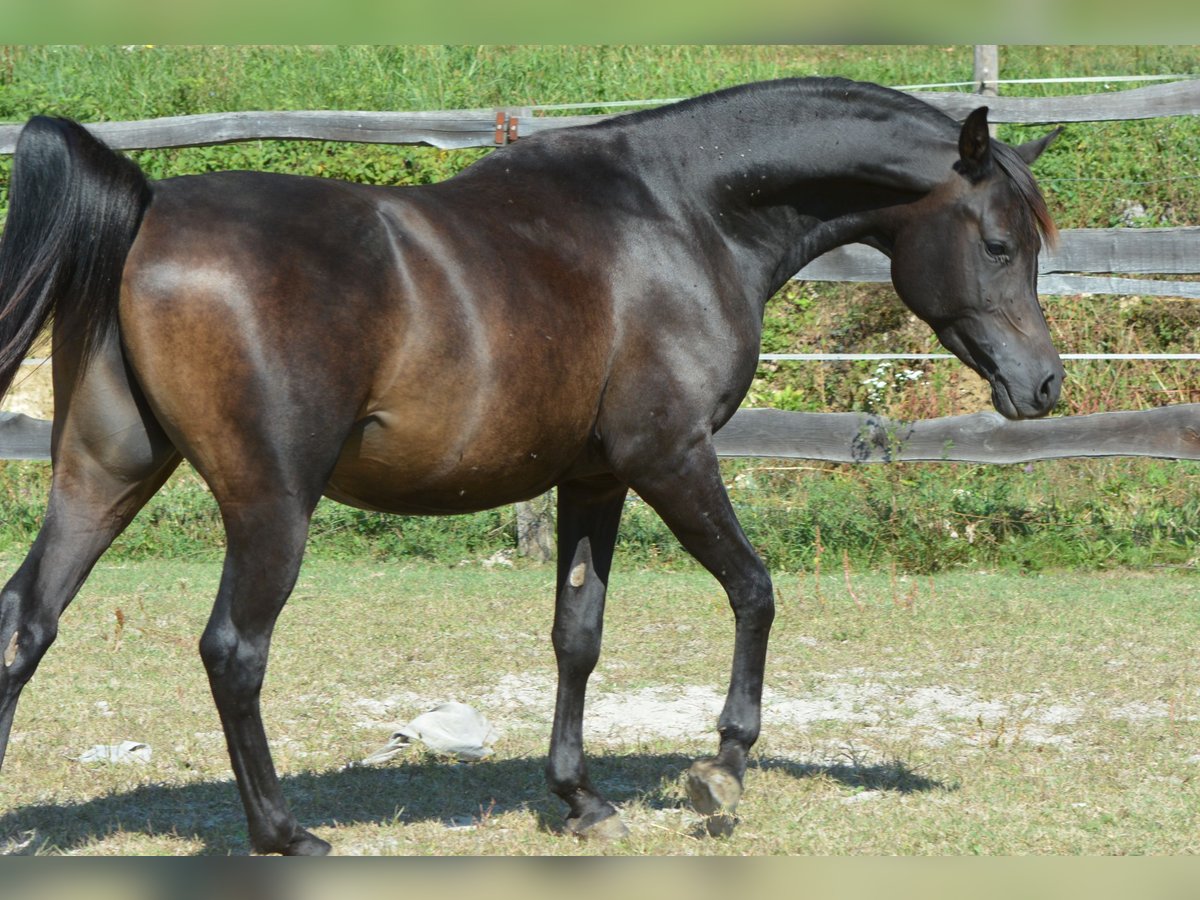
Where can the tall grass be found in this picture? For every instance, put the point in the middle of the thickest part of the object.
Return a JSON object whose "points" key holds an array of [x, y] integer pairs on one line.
{"points": [[917, 518]]}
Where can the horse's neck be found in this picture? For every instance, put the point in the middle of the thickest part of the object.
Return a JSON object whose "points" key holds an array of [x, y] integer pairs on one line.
{"points": [[793, 170], [783, 135]]}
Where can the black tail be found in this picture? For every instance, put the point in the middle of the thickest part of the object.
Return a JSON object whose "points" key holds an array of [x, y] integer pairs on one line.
{"points": [[74, 209]]}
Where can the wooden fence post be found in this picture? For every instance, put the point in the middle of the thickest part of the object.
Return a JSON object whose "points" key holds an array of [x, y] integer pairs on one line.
{"points": [[987, 72], [535, 528]]}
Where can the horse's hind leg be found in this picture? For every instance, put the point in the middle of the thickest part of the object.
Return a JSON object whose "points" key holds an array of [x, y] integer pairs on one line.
{"points": [[110, 457], [588, 515], [266, 538], [267, 468], [689, 495]]}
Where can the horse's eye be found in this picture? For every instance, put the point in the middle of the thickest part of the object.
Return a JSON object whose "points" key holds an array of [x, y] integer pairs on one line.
{"points": [[996, 249]]}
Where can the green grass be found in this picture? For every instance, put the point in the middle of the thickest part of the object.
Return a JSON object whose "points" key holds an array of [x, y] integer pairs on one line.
{"points": [[952, 714], [915, 518]]}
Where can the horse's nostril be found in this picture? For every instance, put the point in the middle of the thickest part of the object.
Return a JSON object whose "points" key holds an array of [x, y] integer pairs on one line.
{"points": [[1049, 389]]}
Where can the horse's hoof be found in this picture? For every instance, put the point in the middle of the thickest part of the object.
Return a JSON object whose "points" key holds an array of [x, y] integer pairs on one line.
{"points": [[720, 825], [714, 792], [307, 844], [608, 828]]}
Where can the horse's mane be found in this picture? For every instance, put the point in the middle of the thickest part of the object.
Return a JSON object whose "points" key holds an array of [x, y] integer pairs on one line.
{"points": [[843, 90], [815, 87]]}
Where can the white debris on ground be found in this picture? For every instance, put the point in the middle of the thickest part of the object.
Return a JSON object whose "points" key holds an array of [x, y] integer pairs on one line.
{"points": [[454, 729], [124, 752], [503, 558]]}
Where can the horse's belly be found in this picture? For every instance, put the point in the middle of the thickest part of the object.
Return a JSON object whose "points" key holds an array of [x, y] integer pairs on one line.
{"points": [[387, 467]]}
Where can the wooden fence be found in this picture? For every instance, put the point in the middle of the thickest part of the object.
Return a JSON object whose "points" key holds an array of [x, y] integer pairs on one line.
{"points": [[457, 129], [1096, 261]]}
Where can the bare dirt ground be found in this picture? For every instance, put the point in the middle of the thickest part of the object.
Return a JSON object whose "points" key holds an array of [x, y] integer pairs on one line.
{"points": [[933, 716]]}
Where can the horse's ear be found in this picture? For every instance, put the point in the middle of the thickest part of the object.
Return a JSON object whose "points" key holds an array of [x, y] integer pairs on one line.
{"points": [[1033, 149], [975, 146]]}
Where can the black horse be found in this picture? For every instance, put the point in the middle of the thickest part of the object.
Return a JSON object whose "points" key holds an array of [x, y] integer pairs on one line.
{"points": [[581, 309]]}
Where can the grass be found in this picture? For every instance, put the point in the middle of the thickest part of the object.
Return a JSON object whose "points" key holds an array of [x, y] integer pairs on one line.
{"points": [[953, 714], [921, 518]]}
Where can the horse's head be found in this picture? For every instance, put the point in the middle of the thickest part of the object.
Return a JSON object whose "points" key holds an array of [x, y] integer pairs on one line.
{"points": [[965, 261]]}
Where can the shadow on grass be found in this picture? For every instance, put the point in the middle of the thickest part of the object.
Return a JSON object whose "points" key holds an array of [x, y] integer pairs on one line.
{"points": [[422, 790], [893, 776]]}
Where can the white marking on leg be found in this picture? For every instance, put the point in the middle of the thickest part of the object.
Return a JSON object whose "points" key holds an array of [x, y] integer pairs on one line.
{"points": [[10, 654], [578, 574]]}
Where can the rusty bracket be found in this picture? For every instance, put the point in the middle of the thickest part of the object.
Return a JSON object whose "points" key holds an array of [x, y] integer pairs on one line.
{"points": [[506, 127]]}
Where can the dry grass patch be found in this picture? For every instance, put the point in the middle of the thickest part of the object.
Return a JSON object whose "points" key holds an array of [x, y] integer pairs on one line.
{"points": [[994, 714]]}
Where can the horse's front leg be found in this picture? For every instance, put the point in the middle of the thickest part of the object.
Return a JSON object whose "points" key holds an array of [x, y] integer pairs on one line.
{"points": [[687, 491], [588, 515]]}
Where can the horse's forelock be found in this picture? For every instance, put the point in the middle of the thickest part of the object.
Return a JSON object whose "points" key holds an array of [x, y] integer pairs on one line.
{"points": [[1022, 179]]}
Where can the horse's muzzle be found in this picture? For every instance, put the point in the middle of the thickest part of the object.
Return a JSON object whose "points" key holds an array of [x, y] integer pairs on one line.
{"points": [[1026, 400]]}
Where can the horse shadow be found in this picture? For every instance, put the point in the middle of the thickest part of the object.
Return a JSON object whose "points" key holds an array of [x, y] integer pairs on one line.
{"points": [[425, 789]]}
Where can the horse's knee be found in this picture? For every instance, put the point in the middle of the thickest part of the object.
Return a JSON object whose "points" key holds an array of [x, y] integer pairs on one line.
{"points": [[235, 661], [226, 656], [578, 647], [218, 647], [754, 604]]}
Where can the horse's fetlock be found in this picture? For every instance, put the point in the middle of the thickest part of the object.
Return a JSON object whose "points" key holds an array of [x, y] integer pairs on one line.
{"points": [[569, 782]]}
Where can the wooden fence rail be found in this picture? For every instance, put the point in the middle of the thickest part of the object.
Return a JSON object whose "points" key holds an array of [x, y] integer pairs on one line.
{"points": [[457, 129], [1128, 251], [1168, 432]]}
